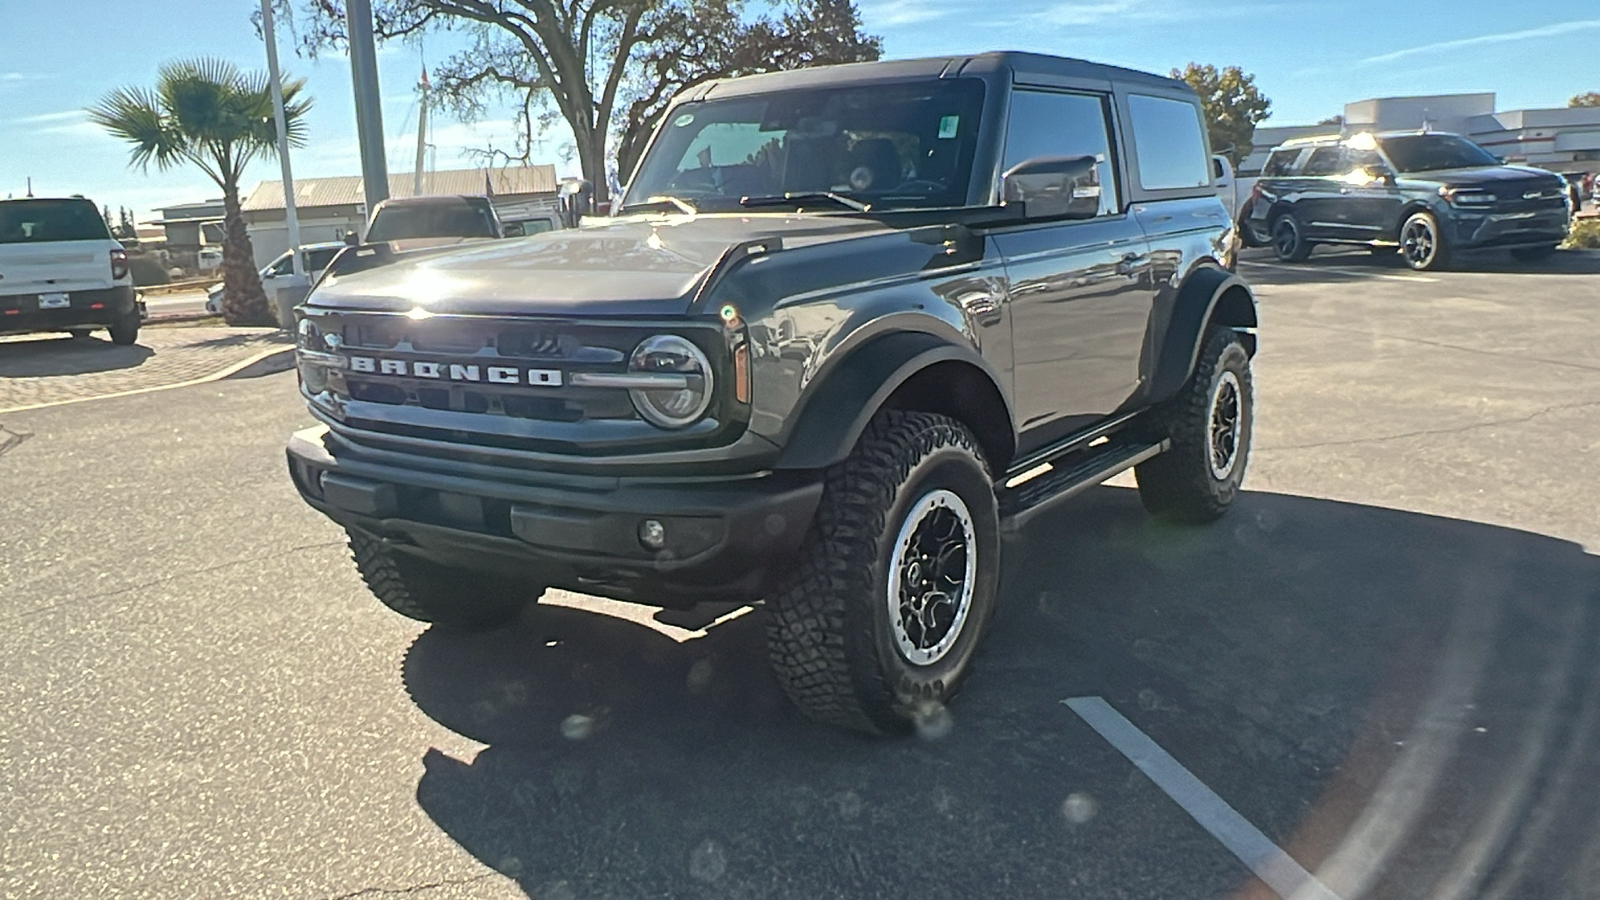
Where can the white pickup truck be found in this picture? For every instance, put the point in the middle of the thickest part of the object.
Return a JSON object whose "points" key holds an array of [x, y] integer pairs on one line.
{"points": [[1234, 191], [60, 270]]}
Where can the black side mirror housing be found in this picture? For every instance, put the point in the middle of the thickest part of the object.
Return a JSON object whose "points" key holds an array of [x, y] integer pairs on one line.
{"points": [[577, 200], [1052, 187]]}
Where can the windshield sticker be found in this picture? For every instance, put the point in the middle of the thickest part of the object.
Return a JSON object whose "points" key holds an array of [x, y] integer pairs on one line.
{"points": [[948, 126], [684, 120]]}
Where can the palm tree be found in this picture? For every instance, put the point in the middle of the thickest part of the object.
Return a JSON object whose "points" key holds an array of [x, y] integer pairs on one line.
{"points": [[207, 112]]}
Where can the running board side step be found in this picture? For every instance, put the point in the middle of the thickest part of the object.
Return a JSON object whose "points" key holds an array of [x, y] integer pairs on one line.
{"points": [[1069, 477]]}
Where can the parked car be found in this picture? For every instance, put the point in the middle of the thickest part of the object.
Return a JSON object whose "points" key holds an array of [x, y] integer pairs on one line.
{"points": [[1428, 194], [850, 324], [314, 258], [60, 270], [414, 223]]}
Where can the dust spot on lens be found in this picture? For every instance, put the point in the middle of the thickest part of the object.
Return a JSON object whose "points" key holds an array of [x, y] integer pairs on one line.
{"points": [[510, 865], [1079, 808], [933, 721], [849, 804], [700, 676], [577, 727], [776, 524], [557, 890], [708, 862]]}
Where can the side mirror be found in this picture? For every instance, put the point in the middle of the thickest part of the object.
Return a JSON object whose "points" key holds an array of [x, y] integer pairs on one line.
{"points": [[577, 200], [1380, 173], [1052, 187], [515, 229]]}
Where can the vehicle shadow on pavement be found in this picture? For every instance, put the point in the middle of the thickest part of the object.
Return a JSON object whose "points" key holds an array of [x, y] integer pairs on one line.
{"points": [[1288, 656], [46, 356]]}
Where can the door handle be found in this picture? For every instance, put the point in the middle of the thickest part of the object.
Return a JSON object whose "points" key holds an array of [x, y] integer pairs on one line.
{"points": [[1130, 264]]}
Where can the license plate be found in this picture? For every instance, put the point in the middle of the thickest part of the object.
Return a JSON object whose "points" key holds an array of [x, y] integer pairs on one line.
{"points": [[54, 301]]}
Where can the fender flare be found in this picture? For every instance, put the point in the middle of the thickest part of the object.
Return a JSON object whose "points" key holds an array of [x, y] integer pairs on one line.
{"points": [[861, 383], [1193, 310]]}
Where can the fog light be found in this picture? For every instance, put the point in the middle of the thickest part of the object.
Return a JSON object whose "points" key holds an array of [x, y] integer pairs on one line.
{"points": [[652, 534]]}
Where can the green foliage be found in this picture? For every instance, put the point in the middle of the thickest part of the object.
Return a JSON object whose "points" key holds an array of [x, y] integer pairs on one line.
{"points": [[1585, 234], [1233, 106], [1590, 99]]}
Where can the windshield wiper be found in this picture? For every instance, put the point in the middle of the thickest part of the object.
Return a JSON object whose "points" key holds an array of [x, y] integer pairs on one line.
{"points": [[663, 202], [800, 199]]}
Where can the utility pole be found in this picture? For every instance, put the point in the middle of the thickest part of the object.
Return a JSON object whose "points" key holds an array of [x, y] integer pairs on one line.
{"points": [[369, 109], [422, 135], [291, 218]]}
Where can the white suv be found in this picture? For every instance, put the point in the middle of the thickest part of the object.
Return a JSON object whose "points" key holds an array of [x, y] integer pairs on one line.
{"points": [[60, 270]]}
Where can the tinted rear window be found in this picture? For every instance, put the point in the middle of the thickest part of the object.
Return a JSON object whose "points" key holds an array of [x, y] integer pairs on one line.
{"points": [[398, 223], [1167, 138], [1280, 163], [44, 221]]}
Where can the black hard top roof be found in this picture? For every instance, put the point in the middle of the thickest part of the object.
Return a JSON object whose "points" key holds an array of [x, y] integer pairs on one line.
{"points": [[1022, 65]]}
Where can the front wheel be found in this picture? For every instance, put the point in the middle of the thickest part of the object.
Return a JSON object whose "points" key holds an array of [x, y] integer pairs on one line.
{"points": [[896, 583], [459, 599], [1422, 243], [1289, 239], [1209, 424]]}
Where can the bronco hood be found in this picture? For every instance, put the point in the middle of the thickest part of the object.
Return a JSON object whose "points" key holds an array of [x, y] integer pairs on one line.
{"points": [[633, 266]]}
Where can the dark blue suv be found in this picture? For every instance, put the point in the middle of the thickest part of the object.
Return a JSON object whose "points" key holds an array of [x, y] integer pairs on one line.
{"points": [[1429, 195]]}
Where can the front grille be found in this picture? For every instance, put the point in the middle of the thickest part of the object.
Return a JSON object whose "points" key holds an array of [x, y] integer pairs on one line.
{"points": [[1528, 197], [474, 356]]}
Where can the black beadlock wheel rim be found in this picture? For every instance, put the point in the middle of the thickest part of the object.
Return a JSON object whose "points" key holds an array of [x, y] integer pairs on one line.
{"points": [[932, 569], [1225, 423]]}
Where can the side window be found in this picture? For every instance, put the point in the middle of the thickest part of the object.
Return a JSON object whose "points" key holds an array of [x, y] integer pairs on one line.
{"points": [[1051, 124], [1324, 161], [1280, 164], [1170, 147], [1359, 160], [317, 260]]}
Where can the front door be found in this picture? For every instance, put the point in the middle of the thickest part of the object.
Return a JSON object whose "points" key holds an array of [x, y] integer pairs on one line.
{"points": [[1080, 290]]}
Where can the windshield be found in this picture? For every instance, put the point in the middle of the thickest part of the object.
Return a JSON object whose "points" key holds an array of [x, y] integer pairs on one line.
{"points": [[43, 221], [1432, 152], [891, 146], [430, 220]]}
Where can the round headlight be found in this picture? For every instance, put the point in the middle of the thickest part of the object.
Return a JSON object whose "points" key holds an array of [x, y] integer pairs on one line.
{"points": [[686, 381]]}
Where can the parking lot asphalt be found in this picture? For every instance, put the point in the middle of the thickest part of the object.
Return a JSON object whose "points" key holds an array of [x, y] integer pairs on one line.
{"points": [[1383, 659]]}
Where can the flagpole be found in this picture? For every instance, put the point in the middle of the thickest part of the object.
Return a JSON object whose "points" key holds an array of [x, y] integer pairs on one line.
{"points": [[291, 217]]}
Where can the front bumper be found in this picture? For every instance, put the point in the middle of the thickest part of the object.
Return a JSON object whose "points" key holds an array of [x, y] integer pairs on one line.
{"points": [[20, 313], [726, 538], [1482, 231]]}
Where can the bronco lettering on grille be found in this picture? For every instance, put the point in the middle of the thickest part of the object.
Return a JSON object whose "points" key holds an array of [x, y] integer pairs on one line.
{"points": [[469, 373]]}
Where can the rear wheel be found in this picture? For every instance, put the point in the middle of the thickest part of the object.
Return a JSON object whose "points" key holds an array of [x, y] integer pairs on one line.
{"points": [[1533, 254], [1209, 424], [454, 598], [1289, 239], [896, 583], [1422, 243], [125, 330]]}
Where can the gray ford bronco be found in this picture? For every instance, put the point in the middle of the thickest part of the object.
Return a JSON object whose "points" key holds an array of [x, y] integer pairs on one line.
{"points": [[847, 326]]}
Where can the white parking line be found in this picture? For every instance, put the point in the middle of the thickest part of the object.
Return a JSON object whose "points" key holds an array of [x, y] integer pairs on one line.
{"points": [[1354, 273], [239, 366], [1275, 868]]}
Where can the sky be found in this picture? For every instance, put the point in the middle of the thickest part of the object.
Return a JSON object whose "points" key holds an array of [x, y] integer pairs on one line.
{"points": [[60, 56]]}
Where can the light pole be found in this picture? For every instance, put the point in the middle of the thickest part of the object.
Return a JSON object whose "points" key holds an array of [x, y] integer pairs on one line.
{"points": [[291, 218], [369, 111]]}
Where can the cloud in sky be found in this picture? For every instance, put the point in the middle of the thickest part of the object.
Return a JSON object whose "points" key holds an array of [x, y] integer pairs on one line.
{"points": [[894, 13], [1505, 37]]}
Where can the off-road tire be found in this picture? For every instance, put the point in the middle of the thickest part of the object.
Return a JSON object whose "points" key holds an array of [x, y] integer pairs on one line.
{"points": [[833, 644], [125, 328], [1533, 254], [457, 599], [1288, 238], [1183, 484], [1437, 253]]}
